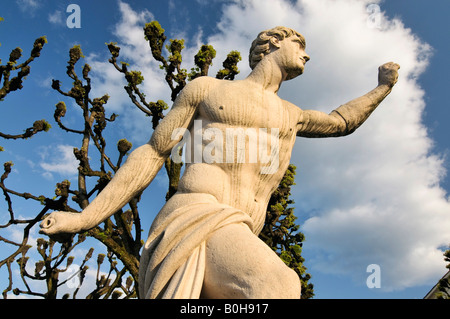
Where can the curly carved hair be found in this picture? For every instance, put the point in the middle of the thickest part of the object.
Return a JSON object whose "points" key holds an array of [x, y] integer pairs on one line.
{"points": [[262, 44]]}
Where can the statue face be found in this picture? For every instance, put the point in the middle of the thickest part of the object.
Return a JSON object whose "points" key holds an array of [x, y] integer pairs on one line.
{"points": [[291, 56]]}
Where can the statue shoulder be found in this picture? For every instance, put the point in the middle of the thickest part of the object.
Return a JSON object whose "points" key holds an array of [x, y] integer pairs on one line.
{"points": [[292, 107], [203, 83], [199, 88]]}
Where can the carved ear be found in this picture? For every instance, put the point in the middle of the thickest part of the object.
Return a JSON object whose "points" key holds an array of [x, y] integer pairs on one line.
{"points": [[275, 42]]}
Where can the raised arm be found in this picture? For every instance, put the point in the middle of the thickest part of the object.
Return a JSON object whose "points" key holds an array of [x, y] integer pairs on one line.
{"points": [[138, 171], [348, 117]]}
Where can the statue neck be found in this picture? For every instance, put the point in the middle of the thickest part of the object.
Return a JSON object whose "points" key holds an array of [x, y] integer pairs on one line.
{"points": [[268, 74]]}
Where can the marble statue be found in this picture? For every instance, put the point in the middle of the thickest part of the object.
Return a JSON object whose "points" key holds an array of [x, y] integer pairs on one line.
{"points": [[204, 242]]}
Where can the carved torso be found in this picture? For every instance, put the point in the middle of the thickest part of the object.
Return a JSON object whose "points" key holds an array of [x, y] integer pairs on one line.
{"points": [[265, 125]]}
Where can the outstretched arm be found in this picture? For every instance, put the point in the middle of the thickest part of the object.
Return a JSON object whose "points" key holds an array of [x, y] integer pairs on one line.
{"points": [[135, 175], [348, 117]]}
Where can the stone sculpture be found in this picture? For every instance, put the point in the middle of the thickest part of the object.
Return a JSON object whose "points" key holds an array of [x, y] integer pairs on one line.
{"points": [[203, 243]]}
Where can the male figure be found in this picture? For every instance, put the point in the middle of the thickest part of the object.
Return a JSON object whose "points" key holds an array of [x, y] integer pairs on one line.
{"points": [[204, 242]]}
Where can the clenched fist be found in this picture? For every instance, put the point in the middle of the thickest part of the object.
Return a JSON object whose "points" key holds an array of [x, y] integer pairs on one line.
{"points": [[388, 74]]}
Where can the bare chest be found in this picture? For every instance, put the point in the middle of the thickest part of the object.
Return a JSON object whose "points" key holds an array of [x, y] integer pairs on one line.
{"points": [[240, 106]]}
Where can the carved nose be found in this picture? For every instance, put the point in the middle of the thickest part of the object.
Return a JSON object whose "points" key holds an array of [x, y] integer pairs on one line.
{"points": [[306, 58]]}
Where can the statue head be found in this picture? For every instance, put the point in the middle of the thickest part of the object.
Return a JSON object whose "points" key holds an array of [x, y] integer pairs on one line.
{"points": [[267, 40]]}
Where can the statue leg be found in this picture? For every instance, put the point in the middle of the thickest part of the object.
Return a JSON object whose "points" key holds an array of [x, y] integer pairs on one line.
{"points": [[240, 265]]}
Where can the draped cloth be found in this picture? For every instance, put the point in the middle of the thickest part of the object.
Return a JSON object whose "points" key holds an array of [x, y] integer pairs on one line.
{"points": [[173, 260]]}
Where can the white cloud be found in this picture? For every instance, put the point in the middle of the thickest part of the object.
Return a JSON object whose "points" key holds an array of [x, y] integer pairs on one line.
{"points": [[56, 17], [59, 159], [28, 5]]}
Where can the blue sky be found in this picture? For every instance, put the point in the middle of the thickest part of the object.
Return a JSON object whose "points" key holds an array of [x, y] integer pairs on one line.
{"points": [[379, 196]]}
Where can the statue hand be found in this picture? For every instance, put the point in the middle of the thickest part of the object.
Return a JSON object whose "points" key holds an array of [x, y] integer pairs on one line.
{"points": [[60, 225], [388, 74]]}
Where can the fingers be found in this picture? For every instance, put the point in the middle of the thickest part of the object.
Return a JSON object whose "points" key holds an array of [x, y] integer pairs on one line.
{"points": [[388, 74], [50, 224], [395, 65], [52, 228], [47, 223], [61, 222]]}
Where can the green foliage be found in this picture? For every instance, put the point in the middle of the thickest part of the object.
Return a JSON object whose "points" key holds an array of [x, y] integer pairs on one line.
{"points": [[135, 77], [175, 48], [175, 75], [75, 54], [282, 234], [37, 46], [203, 60], [113, 49], [154, 34], [443, 289], [444, 283], [123, 146], [230, 69], [157, 109], [14, 83], [15, 55], [447, 257], [41, 125]]}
